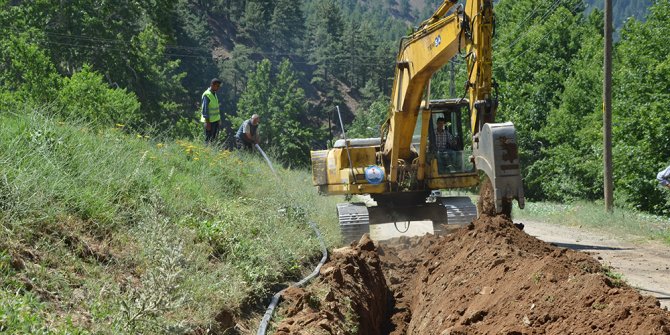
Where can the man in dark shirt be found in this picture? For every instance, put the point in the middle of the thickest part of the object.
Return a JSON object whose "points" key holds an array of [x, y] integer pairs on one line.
{"points": [[447, 149]]}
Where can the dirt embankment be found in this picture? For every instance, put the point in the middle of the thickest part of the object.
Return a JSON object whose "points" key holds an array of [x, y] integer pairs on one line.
{"points": [[487, 278], [351, 296]]}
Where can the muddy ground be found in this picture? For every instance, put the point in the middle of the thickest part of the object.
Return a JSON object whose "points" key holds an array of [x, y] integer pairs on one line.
{"points": [[486, 278]]}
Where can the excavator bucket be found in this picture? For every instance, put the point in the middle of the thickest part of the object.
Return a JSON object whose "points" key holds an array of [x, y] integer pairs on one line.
{"points": [[354, 220], [496, 154]]}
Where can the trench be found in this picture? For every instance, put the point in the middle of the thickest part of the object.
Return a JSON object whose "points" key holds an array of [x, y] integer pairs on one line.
{"points": [[487, 277]]}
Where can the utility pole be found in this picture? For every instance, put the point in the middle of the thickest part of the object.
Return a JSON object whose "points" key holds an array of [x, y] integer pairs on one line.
{"points": [[607, 106]]}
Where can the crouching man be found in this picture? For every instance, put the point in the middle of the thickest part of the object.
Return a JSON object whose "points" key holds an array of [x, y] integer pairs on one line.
{"points": [[247, 135]]}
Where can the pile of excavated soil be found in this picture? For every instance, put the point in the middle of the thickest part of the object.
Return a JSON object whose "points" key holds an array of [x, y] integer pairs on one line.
{"points": [[350, 296], [486, 278]]}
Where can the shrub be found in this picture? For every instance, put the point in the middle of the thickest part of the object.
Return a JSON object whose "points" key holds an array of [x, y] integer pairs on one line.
{"points": [[86, 96]]}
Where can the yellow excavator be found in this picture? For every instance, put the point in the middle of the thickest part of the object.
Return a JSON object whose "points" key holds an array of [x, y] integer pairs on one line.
{"points": [[405, 168]]}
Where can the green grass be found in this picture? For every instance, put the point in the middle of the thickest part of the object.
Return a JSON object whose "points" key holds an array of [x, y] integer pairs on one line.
{"points": [[105, 232], [615, 278], [624, 222]]}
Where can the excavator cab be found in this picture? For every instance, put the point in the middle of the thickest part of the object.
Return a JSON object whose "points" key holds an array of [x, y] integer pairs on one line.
{"points": [[447, 153]]}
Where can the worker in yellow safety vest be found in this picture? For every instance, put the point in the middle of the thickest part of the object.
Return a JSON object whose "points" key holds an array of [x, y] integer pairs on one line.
{"points": [[211, 111]]}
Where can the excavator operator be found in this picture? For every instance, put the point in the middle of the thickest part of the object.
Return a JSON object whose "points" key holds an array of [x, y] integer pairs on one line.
{"points": [[446, 147]]}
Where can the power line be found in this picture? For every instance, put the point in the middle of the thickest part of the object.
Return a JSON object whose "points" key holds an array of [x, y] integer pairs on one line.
{"points": [[551, 9], [195, 56], [543, 36], [528, 16], [117, 42]]}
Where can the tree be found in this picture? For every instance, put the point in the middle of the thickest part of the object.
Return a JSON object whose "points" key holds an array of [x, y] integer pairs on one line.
{"points": [[25, 69], [281, 105], [537, 42], [102, 106], [324, 44], [368, 122], [287, 27], [293, 134], [640, 98], [254, 99], [253, 24], [159, 86], [571, 167], [25, 65]]}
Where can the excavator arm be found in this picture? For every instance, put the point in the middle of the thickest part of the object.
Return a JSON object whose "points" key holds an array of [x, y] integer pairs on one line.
{"points": [[468, 29], [421, 54]]}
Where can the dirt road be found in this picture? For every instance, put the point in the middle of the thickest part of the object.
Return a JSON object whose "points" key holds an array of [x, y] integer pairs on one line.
{"points": [[644, 265]]}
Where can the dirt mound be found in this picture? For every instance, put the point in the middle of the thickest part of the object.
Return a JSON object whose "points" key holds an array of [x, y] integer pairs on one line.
{"points": [[487, 278], [493, 278], [350, 296]]}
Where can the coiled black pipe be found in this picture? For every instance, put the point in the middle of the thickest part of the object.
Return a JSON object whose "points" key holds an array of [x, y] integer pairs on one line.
{"points": [[262, 328]]}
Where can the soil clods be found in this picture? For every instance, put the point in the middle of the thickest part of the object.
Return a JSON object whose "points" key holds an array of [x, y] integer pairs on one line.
{"points": [[486, 278]]}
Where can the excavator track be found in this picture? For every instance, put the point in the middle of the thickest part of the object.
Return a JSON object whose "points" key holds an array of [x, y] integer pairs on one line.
{"points": [[445, 213], [460, 210]]}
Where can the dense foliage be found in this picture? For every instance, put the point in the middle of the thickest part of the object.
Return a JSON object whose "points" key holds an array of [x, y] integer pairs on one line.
{"points": [[548, 62], [148, 62], [293, 62]]}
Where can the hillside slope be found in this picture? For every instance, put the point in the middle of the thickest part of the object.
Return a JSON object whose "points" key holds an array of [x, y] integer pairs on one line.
{"points": [[109, 233]]}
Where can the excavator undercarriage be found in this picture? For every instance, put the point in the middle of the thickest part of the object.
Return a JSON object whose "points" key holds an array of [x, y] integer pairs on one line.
{"points": [[439, 214]]}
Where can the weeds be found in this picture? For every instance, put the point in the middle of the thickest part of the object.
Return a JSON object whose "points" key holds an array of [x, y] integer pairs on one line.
{"points": [[537, 277], [588, 214], [186, 231], [351, 322], [616, 279], [599, 306]]}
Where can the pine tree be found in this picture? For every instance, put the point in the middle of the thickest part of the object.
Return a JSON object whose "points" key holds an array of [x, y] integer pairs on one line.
{"points": [[287, 27], [253, 23], [325, 47], [289, 122], [255, 99], [641, 96]]}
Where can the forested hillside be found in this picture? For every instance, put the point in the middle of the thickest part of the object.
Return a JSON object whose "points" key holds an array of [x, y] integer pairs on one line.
{"points": [[150, 62], [156, 58]]}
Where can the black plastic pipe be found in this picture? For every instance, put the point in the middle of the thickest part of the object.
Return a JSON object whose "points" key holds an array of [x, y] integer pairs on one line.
{"points": [[262, 328]]}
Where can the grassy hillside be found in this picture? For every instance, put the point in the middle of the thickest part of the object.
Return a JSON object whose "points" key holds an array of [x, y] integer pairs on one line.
{"points": [[105, 232]]}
